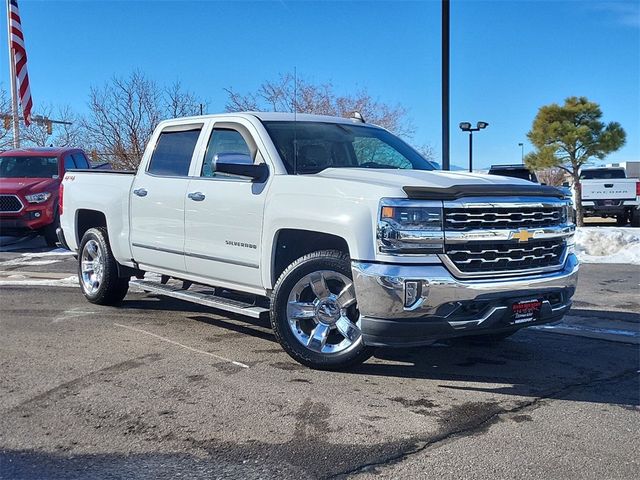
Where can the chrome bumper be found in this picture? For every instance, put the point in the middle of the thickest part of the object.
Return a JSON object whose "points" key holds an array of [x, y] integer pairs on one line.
{"points": [[447, 306]]}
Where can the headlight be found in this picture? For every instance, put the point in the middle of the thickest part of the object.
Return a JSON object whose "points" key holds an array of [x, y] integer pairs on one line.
{"points": [[410, 227], [568, 215], [38, 197]]}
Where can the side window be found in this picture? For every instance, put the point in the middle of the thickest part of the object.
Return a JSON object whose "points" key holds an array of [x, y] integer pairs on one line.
{"points": [[81, 160], [68, 162], [223, 140], [173, 152]]}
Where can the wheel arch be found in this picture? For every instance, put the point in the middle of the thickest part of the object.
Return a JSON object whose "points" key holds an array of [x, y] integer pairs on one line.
{"points": [[289, 244]]}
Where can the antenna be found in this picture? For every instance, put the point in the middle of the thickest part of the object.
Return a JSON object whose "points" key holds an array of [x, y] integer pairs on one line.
{"points": [[295, 120]]}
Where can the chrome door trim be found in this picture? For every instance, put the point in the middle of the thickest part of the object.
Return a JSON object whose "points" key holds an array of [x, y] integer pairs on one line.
{"points": [[196, 255]]}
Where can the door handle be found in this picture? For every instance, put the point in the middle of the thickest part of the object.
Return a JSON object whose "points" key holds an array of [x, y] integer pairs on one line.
{"points": [[141, 192], [196, 196]]}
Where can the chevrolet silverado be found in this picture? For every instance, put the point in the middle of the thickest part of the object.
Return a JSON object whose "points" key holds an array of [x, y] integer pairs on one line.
{"points": [[340, 232]]}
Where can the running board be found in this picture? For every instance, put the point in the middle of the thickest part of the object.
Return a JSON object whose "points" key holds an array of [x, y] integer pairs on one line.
{"points": [[233, 306]]}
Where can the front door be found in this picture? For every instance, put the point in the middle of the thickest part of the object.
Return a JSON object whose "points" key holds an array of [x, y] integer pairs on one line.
{"points": [[158, 200], [223, 214]]}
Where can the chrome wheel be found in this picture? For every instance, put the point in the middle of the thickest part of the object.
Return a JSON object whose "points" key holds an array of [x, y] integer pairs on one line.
{"points": [[322, 314], [92, 267]]}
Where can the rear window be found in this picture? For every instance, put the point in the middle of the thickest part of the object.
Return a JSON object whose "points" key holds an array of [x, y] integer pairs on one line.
{"points": [[173, 152], [603, 173]]}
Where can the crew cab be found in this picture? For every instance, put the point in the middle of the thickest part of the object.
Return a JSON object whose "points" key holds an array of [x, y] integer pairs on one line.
{"points": [[607, 192], [29, 183], [340, 232]]}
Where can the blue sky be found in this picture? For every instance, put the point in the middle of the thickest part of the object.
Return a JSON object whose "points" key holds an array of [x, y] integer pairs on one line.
{"points": [[507, 57]]}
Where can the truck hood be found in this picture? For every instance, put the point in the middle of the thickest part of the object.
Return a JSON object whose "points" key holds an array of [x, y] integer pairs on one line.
{"points": [[26, 186], [417, 178]]}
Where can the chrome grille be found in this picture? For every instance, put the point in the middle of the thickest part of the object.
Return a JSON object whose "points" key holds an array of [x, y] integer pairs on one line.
{"points": [[459, 219], [10, 204], [503, 257]]}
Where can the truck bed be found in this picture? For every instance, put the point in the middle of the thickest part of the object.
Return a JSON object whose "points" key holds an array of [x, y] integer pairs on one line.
{"points": [[104, 191]]}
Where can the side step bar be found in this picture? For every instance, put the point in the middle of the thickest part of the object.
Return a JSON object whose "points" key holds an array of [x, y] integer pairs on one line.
{"points": [[233, 306]]}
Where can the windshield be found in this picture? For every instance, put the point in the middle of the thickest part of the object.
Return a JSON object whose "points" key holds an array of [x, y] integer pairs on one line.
{"points": [[28, 167], [337, 145], [603, 173]]}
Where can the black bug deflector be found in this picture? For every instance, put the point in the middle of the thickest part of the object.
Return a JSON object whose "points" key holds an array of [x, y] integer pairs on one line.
{"points": [[460, 191]]}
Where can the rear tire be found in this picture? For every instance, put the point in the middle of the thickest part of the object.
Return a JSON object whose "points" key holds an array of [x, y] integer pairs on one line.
{"points": [[98, 270], [314, 312], [635, 217]]}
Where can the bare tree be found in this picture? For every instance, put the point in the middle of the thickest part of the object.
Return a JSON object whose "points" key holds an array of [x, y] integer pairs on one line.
{"points": [[69, 134], [181, 103], [6, 134], [551, 176], [124, 113], [286, 94]]}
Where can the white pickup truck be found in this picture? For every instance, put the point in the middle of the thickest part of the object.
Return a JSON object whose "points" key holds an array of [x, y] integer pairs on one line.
{"points": [[607, 192], [338, 230]]}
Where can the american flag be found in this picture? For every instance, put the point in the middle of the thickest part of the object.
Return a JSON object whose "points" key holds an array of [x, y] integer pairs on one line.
{"points": [[20, 59]]}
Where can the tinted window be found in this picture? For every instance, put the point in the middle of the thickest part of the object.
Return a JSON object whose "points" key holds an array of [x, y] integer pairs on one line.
{"points": [[68, 162], [603, 173], [309, 147], [173, 152], [522, 173], [81, 160], [223, 141]]}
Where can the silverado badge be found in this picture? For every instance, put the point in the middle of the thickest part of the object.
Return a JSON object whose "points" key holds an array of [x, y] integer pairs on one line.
{"points": [[523, 236]]}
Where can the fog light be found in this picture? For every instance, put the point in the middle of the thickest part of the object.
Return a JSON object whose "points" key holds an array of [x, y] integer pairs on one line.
{"points": [[37, 214], [411, 292]]}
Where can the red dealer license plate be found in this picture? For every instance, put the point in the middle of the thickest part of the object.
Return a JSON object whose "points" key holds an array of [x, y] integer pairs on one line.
{"points": [[526, 310]]}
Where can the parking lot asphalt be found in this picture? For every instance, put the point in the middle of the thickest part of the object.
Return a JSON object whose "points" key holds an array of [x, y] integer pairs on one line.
{"points": [[159, 388]]}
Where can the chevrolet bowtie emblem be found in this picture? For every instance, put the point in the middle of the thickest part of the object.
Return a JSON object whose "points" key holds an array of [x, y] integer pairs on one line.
{"points": [[522, 236]]}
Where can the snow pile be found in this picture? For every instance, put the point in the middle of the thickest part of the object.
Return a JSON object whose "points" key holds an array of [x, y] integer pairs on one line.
{"points": [[18, 280], [608, 245]]}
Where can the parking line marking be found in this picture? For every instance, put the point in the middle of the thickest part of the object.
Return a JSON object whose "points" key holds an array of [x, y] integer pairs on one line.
{"points": [[173, 342]]}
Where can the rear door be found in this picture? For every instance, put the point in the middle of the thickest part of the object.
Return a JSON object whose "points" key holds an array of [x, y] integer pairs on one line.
{"points": [[223, 213], [158, 199]]}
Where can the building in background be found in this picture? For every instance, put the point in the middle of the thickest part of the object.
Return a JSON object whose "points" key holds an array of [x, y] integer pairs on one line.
{"points": [[632, 168]]}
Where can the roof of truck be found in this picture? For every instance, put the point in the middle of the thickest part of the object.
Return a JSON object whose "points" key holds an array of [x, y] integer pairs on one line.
{"points": [[283, 117], [21, 152]]}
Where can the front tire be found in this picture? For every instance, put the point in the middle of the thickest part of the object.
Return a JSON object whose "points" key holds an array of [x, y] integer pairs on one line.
{"points": [[314, 312], [98, 270]]}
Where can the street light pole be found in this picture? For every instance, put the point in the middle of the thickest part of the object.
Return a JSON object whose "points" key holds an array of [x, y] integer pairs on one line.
{"points": [[521, 145], [470, 151], [445, 84], [466, 127]]}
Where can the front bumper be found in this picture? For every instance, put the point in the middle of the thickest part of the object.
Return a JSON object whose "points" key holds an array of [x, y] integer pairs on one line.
{"points": [[448, 307], [32, 217]]}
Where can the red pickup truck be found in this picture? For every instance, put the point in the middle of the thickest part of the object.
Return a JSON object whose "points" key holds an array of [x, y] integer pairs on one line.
{"points": [[29, 182]]}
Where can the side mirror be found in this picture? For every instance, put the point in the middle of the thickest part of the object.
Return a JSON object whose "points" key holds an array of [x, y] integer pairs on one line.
{"points": [[240, 165]]}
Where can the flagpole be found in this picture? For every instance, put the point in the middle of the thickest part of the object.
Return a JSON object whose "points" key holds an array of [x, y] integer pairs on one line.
{"points": [[14, 88]]}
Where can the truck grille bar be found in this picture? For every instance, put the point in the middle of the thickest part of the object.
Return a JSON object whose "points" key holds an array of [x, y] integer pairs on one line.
{"points": [[527, 217], [486, 238], [483, 257]]}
